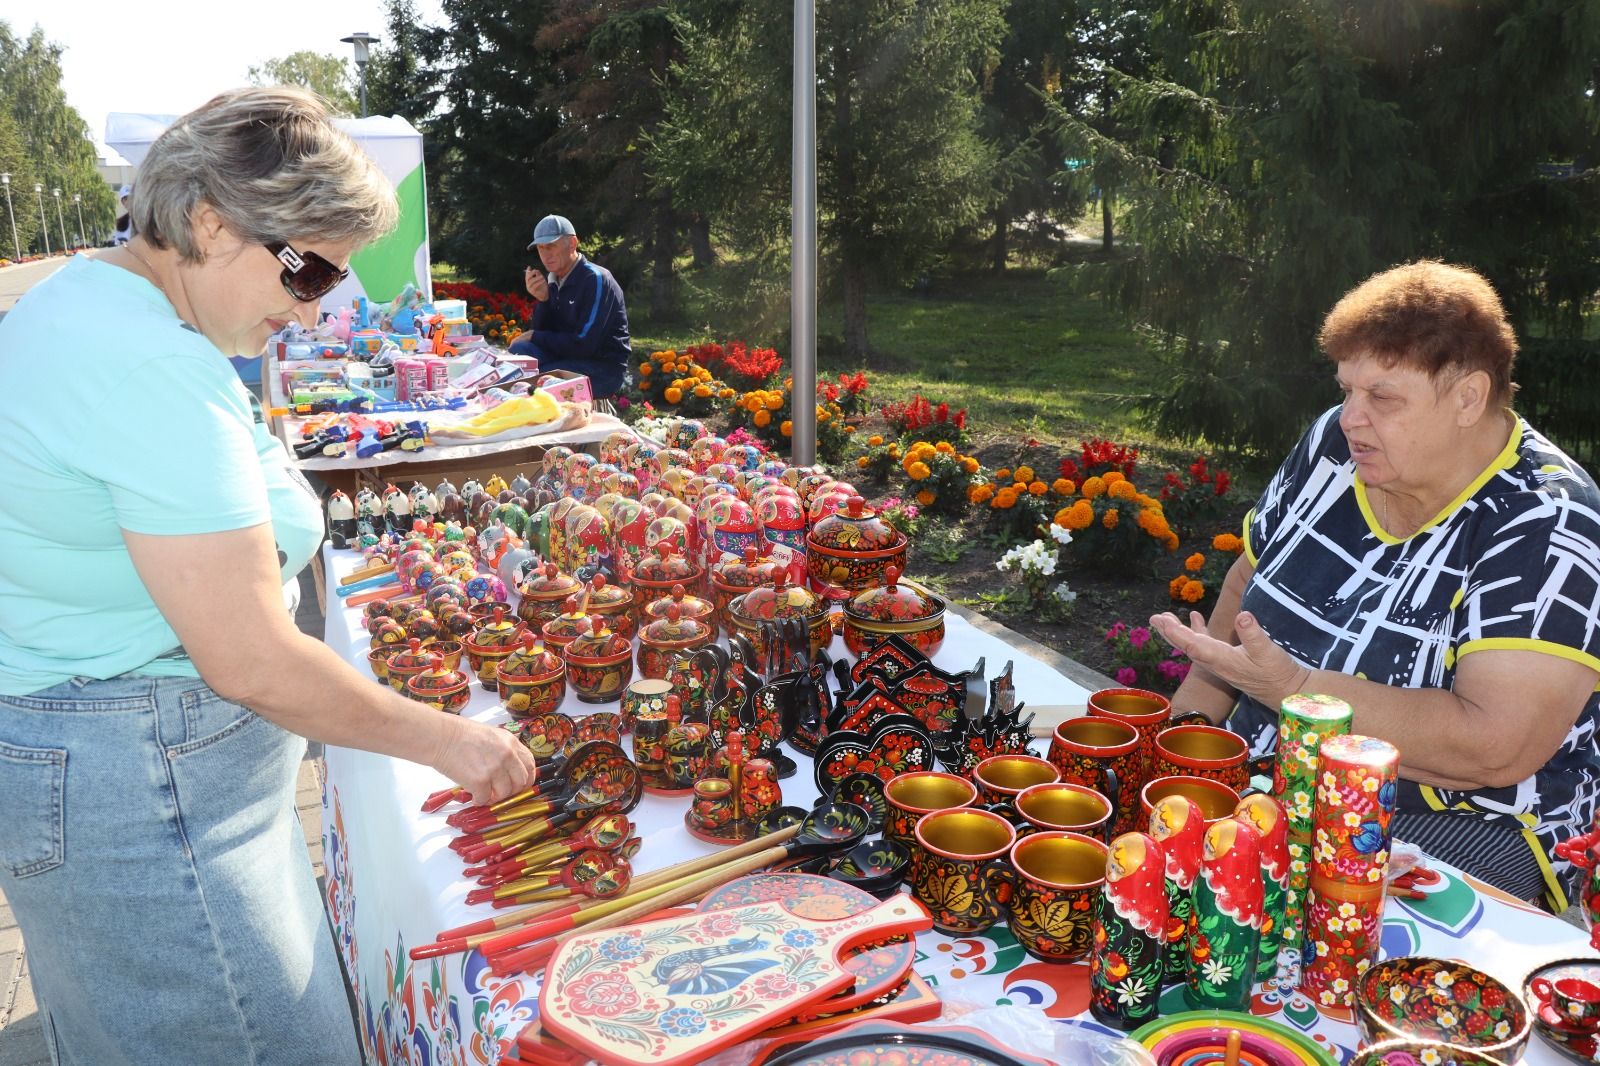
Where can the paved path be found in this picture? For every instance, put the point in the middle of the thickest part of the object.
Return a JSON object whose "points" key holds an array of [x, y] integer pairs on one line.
{"points": [[16, 280]]}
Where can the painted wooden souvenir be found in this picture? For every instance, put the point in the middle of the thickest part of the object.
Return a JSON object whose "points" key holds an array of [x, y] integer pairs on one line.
{"points": [[531, 680], [900, 608], [1002, 778], [704, 451], [896, 745], [1306, 720], [484, 588], [1178, 824], [1101, 754], [782, 519], [778, 602], [725, 473], [396, 511], [865, 713], [588, 543], [597, 726], [544, 594], [733, 576], [1266, 814], [1343, 936], [1201, 1038], [1129, 934], [661, 638], [1202, 751], [644, 695], [599, 664], [1225, 918], [495, 486], [663, 568], [341, 520], [1355, 802], [612, 602], [1148, 712], [697, 680], [575, 475], [614, 445], [688, 605], [830, 501], [638, 459], [404, 664], [888, 658], [1582, 852], [600, 478], [1055, 879], [1419, 998], [650, 727], [733, 527], [853, 549], [439, 687], [421, 623], [957, 868], [490, 643], [687, 750], [558, 531]]}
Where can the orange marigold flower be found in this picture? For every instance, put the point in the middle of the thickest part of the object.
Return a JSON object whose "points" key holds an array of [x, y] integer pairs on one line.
{"points": [[926, 497], [674, 394], [946, 447], [1111, 477], [1003, 474], [1024, 473], [645, 370], [1110, 518], [1006, 498], [1037, 488], [1021, 487], [874, 440], [1228, 542], [787, 429], [1094, 487], [980, 493], [702, 391], [919, 471], [1063, 487], [763, 418], [1121, 490], [1170, 541], [774, 401], [863, 462], [1175, 586], [1079, 516], [894, 451], [1194, 562], [725, 393], [969, 464], [1193, 592]]}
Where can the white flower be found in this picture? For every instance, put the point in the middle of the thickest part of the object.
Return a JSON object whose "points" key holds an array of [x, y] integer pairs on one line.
{"points": [[1131, 992], [1352, 819], [1064, 594], [1397, 993], [1308, 738], [1444, 978], [1447, 1019], [1322, 947], [1302, 800], [1298, 865], [1216, 971], [1329, 780], [1340, 985], [1346, 910], [1369, 784], [1326, 997], [1336, 924], [1502, 1030], [1059, 535], [1430, 1056]]}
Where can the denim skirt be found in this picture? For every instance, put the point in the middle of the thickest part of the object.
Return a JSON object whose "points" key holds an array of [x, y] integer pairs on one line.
{"points": [[150, 849]]}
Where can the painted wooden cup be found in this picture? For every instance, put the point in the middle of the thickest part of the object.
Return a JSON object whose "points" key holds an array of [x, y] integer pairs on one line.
{"points": [[1103, 754], [1146, 711], [1059, 807], [1055, 879], [645, 696], [956, 870], [921, 792], [1214, 799], [1202, 751], [1002, 778]]}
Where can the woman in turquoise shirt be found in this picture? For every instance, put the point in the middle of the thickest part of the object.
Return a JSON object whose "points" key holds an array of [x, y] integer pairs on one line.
{"points": [[154, 694]]}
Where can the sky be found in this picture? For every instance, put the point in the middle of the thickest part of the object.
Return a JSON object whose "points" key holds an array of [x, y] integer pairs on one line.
{"points": [[170, 56]]}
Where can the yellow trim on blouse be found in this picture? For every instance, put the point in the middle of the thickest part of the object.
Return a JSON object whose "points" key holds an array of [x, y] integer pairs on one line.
{"points": [[1504, 461]]}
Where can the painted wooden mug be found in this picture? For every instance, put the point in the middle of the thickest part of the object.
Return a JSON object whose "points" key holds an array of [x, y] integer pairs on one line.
{"points": [[1215, 800], [1002, 778], [1055, 879], [911, 796], [1060, 807], [955, 868], [1148, 712], [1202, 751], [1102, 754]]}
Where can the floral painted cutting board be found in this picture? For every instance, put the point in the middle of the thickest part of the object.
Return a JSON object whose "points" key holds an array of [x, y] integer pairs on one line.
{"points": [[678, 989]]}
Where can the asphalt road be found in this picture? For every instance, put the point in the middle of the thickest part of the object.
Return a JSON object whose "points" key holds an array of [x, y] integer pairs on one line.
{"points": [[16, 280]]}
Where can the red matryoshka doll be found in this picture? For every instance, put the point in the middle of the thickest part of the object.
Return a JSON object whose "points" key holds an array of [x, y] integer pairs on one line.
{"points": [[812, 484], [828, 502], [670, 458], [606, 504], [669, 528], [588, 543], [615, 443], [694, 487], [602, 477], [1129, 934], [558, 530], [575, 475], [750, 485], [627, 485], [729, 526], [629, 520], [639, 459], [674, 481], [1225, 921], [705, 451], [1267, 816], [1179, 826], [684, 432], [782, 519], [773, 468]]}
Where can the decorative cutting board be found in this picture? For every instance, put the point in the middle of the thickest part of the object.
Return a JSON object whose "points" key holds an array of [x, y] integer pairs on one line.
{"points": [[679, 989]]}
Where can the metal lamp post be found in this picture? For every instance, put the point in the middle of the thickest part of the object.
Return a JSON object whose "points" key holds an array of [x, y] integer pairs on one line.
{"points": [[16, 245], [803, 237], [77, 201], [361, 39], [44, 223], [60, 221]]}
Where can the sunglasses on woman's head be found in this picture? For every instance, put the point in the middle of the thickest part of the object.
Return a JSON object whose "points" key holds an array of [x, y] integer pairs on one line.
{"points": [[306, 275]]}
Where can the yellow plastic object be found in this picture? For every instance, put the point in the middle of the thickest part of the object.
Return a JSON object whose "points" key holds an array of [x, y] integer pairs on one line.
{"points": [[518, 411]]}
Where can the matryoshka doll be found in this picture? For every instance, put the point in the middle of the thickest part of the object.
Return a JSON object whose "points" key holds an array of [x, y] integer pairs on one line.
{"points": [[773, 468], [730, 527], [684, 432], [812, 484], [629, 520], [1267, 815], [341, 520], [781, 518], [602, 479], [674, 482], [575, 475], [638, 459], [670, 528], [1129, 934], [1225, 921], [551, 466], [745, 457], [627, 485], [705, 451], [588, 542], [614, 445], [558, 531], [671, 458], [1179, 825], [724, 473], [828, 502]]}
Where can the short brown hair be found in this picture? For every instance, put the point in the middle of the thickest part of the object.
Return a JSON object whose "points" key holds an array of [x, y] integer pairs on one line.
{"points": [[1429, 315]]}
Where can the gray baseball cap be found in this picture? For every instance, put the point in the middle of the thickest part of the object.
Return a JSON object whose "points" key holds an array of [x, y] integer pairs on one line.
{"points": [[550, 229]]}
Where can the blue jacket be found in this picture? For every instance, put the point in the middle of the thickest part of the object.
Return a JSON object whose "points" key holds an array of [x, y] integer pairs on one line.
{"points": [[584, 327]]}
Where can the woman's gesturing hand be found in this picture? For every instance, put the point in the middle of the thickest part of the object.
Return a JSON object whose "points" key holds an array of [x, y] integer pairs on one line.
{"points": [[1255, 666], [486, 760]]}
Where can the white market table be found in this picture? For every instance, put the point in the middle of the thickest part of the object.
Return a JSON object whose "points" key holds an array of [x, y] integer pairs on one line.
{"points": [[393, 883]]}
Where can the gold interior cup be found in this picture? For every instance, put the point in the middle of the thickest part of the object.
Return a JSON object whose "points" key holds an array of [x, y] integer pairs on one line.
{"points": [[1058, 805], [1199, 743], [1088, 732], [1063, 860], [929, 791], [1214, 799], [1129, 703], [1013, 773], [963, 833]]}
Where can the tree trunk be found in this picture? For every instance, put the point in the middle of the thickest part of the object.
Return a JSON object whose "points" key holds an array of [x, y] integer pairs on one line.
{"points": [[999, 243], [700, 242], [663, 283], [1107, 225], [855, 305]]}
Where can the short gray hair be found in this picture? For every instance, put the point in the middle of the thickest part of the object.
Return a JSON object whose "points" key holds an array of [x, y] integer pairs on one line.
{"points": [[273, 165]]}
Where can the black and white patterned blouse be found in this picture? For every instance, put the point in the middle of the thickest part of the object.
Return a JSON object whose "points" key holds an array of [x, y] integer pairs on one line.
{"points": [[1513, 563]]}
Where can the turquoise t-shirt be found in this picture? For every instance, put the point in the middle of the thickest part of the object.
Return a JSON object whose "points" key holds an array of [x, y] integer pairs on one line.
{"points": [[116, 415]]}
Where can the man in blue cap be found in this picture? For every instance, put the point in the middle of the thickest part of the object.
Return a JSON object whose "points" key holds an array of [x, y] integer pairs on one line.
{"points": [[580, 322]]}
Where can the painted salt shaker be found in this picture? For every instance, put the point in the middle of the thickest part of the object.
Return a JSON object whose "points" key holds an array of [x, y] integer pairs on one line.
{"points": [[1225, 920], [1129, 934]]}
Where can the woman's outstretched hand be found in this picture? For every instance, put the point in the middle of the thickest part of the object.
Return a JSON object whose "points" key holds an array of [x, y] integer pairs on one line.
{"points": [[1255, 666]]}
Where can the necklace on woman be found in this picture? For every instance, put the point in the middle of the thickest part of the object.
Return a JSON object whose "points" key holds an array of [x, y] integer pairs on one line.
{"points": [[155, 279]]}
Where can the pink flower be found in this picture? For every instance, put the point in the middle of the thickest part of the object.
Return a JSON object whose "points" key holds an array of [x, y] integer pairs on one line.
{"points": [[1127, 675], [720, 924], [1139, 636], [604, 994], [1116, 630], [1183, 671]]}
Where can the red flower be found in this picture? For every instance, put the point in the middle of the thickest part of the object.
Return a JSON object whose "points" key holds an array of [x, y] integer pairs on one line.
{"points": [[1223, 481]]}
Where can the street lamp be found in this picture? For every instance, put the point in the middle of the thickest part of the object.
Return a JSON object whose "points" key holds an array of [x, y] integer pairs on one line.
{"points": [[59, 220], [44, 223], [77, 201], [16, 245], [361, 39]]}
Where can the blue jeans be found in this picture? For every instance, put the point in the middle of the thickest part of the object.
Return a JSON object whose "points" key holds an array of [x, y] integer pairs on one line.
{"points": [[150, 849]]}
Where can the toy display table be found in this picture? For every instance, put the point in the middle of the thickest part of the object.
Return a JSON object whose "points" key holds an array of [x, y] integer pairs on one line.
{"points": [[393, 883]]}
